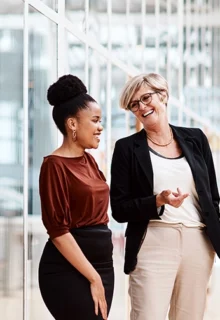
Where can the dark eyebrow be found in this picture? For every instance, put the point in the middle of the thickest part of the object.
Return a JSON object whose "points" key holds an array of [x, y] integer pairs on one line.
{"points": [[97, 117]]}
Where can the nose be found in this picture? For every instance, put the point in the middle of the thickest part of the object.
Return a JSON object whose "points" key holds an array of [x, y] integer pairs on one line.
{"points": [[141, 105], [100, 128]]}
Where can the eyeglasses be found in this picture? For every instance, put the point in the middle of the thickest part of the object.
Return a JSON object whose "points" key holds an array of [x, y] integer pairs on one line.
{"points": [[145, 99]]}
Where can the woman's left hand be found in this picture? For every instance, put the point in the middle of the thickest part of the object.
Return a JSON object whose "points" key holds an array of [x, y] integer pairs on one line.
{"points": [[174, 199], [179, 198]]}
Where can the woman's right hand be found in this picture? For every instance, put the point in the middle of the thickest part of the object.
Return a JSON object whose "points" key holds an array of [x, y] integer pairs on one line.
{"points": [[98, 296], [174, 199]]}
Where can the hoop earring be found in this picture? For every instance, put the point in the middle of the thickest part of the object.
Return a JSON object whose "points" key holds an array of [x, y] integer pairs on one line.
{"points": [[74, 136]]}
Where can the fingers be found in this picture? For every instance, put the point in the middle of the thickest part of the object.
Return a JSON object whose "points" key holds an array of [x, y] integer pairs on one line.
{"points": [[183, 196], [175, 194], [166, 193], [98, 295], [102, 305], [96, 306], [179, 193], [176, 199], [103, 308]]}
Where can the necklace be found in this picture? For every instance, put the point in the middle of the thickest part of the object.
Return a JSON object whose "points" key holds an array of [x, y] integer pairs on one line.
{"points": [[162, 145]]}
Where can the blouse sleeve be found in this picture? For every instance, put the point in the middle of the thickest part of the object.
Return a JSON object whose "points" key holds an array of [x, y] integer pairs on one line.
{"points": [[54, 199]]}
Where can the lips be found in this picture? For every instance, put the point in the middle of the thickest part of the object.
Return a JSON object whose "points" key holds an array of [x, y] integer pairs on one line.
{"points": [[147, 113], [97, 135]]}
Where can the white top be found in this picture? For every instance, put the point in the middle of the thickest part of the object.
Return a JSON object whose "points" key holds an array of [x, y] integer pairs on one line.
{"points": [[173, 173]]}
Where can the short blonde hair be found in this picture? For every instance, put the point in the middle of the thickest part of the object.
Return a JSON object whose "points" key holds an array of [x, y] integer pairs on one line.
{"points": [[153, 80]]}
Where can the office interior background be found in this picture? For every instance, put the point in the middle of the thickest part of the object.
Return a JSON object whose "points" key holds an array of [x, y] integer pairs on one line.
{"points": [[104, 42]]}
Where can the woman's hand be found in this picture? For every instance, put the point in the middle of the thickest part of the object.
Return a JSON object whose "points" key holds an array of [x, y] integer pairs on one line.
{"points": [[98, 296], [174, 199]]}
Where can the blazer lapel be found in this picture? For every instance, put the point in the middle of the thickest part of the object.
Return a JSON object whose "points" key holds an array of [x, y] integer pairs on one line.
{"points": [[142, 153], [186, 144]]}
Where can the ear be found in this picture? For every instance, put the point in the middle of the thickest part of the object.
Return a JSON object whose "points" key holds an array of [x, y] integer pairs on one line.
{"points": [[71, 123], [164, 97]]}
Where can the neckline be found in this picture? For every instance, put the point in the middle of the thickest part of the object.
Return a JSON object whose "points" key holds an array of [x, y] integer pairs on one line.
{"points": [[161, 156], [66, 158]]}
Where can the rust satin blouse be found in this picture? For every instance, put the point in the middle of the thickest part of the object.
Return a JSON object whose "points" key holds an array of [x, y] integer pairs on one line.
{"points": [[73, 193]]}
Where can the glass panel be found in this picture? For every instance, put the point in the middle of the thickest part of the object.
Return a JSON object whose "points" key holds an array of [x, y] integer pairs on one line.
{"points": [[42, 141], [76, 56], [97, 88], [11, 162], [51, 3], [120, 34], [173, 53], [75, 12], [164, 39], [98, 21], [119, 129], [173, 113]]}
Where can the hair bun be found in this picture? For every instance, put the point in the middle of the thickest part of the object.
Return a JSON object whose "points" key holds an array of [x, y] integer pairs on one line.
{"points": [[64, 89]]}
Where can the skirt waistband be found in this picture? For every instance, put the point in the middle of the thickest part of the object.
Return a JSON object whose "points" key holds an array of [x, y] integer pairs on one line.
{"points": [[92, 231], [92, 228]]}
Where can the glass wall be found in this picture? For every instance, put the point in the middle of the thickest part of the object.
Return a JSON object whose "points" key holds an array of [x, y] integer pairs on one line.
{"points": [[11, 161], [103, 42], [42, 71]]}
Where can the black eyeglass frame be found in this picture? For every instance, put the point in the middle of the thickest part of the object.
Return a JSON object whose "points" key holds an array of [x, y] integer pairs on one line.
{"points": [[140, 100]]}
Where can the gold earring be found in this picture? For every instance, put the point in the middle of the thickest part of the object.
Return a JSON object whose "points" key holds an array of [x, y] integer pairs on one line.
{"points": [[74, 136]]}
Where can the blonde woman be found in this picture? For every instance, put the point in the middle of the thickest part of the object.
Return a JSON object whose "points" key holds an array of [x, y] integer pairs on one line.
{"points": [[163, 184]]}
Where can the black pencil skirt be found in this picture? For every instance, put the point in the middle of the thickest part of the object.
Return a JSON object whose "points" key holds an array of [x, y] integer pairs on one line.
{"points": [[65, 291]]}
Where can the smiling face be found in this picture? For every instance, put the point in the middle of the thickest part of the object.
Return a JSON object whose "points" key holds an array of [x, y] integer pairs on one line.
{"points": [[88, 126], [152, 109]]}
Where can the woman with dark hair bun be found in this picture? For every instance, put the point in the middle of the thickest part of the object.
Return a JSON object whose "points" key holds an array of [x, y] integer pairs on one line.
{"points": [[76, 275]]}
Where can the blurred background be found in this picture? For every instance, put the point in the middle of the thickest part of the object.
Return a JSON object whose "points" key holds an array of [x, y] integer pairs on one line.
{"points": [[104, 42]]}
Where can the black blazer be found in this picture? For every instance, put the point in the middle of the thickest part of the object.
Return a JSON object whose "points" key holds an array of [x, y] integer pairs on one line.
{"points": [[131, 191]]}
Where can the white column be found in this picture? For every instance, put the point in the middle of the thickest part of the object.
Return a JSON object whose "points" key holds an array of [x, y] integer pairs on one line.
{"points": [[61, 51], [169, 110], [143, 35], [86, 44], [26, 159], [180, 53], [108, 94], [157, 40]]}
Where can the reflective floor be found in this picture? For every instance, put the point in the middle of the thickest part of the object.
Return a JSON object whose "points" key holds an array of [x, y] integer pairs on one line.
{"points": [[11, 299]]}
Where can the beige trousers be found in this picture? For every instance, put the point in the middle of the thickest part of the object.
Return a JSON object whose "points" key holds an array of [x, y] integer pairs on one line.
{"points": [[173, 270]]}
